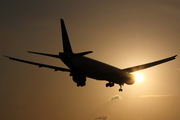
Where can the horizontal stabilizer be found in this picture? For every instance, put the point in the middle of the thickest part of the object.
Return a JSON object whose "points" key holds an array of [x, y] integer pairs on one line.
{"points": [[62, 54], [84, 53]]}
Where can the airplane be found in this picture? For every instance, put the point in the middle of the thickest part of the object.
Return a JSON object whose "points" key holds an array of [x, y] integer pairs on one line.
{"points": [[81, 67]]}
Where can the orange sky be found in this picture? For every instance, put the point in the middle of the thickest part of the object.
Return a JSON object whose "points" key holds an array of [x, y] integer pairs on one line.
{"points": [[119, 33]]}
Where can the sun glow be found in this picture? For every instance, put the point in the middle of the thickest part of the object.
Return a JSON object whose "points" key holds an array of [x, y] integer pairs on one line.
{"points": [[138, 77]]}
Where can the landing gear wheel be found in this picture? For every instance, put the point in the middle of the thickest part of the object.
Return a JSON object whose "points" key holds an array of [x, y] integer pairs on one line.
{"points": [[107, 84], [110, 84], [120, 90]]}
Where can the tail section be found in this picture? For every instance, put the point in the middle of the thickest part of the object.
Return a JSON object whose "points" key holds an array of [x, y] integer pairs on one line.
{"points": [[67, 50], [66, 44]]}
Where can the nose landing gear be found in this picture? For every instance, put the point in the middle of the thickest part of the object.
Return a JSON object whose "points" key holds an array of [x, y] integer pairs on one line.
{"points": [[120, 90]]}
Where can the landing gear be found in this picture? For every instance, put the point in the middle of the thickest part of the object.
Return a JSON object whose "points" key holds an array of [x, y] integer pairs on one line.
{"points": [[120, 90], [110, 84]]}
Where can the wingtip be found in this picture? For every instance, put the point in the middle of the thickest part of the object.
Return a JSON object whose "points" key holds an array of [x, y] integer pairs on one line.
{"points": [[30, 52], [6, 56], [61, 20]]}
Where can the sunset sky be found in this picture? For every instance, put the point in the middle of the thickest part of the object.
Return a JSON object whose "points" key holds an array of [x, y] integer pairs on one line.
{"points": [[122, 33]]}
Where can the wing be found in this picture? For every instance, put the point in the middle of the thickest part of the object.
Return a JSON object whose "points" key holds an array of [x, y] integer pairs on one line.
{"points": [[41, 65], [144, 66]]}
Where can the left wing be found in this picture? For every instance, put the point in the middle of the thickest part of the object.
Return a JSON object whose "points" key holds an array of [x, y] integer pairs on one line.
{"points": [[144, 66], [40, 65]]}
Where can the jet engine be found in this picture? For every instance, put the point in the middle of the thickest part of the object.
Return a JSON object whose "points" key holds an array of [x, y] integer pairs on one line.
{"points": [[79, 79], [130, 79]]}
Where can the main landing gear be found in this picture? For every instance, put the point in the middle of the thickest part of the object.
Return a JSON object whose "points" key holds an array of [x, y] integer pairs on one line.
{"points": [[110, 84]]}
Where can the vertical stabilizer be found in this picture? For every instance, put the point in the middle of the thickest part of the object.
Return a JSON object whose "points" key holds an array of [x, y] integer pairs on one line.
{"points": [[65, 39]]}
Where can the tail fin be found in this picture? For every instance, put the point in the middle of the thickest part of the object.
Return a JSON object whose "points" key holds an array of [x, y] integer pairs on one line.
{"points": [[65, 39]]}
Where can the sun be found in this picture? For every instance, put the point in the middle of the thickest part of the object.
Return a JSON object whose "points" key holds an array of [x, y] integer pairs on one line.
{"points": [[138, 77]]}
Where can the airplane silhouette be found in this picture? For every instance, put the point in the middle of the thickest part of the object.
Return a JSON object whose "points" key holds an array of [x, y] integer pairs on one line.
{"points": [[81, 67]]}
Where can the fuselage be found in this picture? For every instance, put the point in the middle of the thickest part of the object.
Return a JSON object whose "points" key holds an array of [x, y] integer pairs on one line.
{"points": [[98, 70]]}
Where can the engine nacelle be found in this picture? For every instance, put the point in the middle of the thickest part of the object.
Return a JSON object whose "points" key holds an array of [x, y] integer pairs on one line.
{"points": [[79, 79], [130, 79]]}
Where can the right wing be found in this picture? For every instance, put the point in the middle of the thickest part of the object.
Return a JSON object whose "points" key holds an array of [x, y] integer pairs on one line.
{"points": [[40, 65], [144, 66]]}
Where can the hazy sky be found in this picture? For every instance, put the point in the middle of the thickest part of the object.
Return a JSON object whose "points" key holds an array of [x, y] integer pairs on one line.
{"points": [[122, 33]]}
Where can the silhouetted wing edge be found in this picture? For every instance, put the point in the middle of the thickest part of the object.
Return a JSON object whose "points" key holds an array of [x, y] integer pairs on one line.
{"points": [[144, 66], [41, 65]]}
